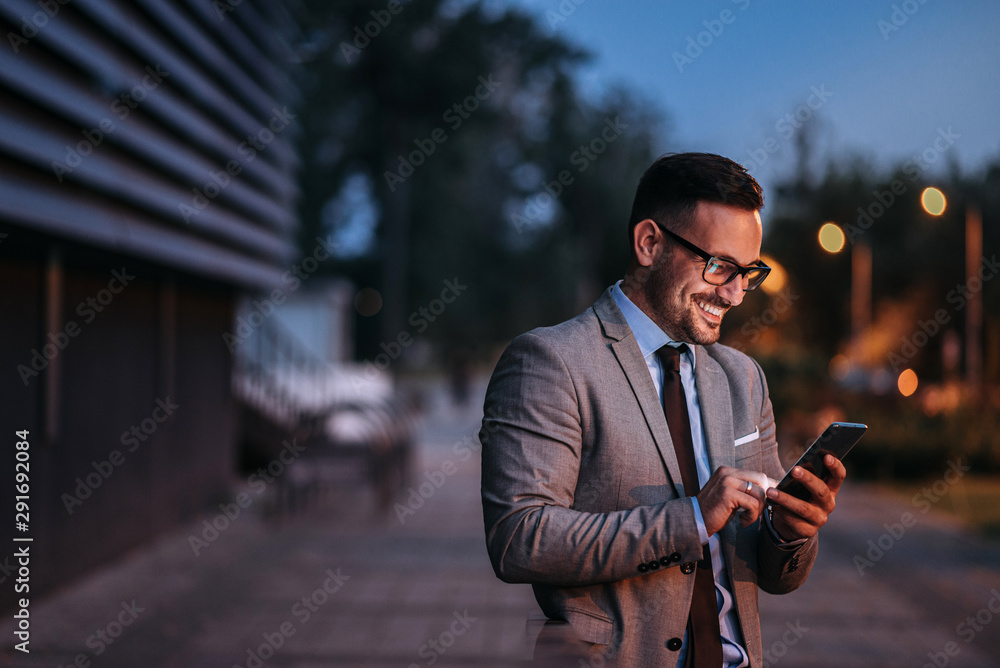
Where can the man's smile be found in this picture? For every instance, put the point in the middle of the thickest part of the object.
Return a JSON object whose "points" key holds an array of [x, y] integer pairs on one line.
{"points": [[715, 312]]}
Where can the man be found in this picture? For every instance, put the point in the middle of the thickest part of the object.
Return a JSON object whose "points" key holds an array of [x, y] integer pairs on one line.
{"points": [[628, 457]]}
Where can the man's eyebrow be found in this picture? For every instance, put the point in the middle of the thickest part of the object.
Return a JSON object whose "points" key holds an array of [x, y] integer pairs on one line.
{"points": [[730, 258]]}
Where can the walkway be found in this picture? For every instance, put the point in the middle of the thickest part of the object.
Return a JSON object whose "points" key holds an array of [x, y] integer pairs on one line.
{"points": [[343, 585]]}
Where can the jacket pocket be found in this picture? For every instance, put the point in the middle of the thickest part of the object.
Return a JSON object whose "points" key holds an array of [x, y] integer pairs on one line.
{"points": [[748, 455], [743, 440]]}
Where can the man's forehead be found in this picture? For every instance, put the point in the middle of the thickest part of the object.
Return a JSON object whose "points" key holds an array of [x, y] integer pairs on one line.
{"points": [[728, 232]]}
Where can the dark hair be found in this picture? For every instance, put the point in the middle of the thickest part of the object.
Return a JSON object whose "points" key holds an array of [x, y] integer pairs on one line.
{"points": [[669, 191]]}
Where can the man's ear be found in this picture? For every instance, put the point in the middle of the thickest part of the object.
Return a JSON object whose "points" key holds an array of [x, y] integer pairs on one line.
{"points": [[647, 242]]}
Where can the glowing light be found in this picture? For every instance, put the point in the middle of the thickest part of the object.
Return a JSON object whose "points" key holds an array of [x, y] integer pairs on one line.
{"points": [[907, 382], [777, 279], [840, 367], [933, 201], [831, 238]]}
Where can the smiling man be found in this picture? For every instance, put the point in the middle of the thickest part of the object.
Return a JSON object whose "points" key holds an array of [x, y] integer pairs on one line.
{"points": [[628, 457]]}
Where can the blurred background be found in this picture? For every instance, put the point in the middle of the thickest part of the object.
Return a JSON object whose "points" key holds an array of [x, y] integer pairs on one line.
{"points": [[258, 261]]}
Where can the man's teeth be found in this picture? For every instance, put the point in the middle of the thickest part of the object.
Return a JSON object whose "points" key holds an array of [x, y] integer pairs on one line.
{"points": [[711, 309]]}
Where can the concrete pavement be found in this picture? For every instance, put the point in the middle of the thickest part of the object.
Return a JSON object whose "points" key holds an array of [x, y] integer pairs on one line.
{"points": [[342, 584], [895, 584]]}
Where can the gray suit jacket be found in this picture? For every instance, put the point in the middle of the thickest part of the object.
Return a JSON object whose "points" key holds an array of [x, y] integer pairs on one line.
{"points": [[582, 493]]}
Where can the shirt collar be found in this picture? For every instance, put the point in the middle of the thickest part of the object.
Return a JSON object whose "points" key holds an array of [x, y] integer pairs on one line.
{"points": [[647, 333]]}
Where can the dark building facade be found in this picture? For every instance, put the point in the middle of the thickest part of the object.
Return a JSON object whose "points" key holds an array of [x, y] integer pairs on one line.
{"points": [[147, 181]]}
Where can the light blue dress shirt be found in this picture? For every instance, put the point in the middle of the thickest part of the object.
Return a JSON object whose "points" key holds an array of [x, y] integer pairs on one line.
{"points": [[651, 338]]}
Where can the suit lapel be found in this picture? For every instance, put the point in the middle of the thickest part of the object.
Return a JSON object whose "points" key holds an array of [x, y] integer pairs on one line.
{"points": [[629, 357], [717, 423], [716, 409]]}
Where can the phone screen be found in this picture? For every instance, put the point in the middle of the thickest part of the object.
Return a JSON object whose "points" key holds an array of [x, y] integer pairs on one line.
{"points": [[836, 440]]}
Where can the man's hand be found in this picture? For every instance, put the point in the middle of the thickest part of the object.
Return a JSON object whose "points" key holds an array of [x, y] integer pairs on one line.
{"points": [[794, 518], [726, 492]]}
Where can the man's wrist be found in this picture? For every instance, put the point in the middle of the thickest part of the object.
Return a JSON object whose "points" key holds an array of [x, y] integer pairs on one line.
{"points": [[700, 521], [779, 540]]}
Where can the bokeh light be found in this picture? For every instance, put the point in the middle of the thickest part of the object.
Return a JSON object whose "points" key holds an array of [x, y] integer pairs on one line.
{"points": [[831, 237], [777, 279], [933, 201], [907, 382], [840, 367]]}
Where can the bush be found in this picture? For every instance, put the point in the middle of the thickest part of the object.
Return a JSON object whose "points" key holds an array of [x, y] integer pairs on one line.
{"points": [[905, 443], [902, 441]]}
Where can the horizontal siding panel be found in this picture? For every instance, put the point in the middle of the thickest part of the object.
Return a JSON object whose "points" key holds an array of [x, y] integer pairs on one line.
{"points": [[210, 58], [86, 218], [89, 46], [269, 25], [250, 54], [60, 91], [144, 156], [109, 169], [146, 40], [225, 84]]}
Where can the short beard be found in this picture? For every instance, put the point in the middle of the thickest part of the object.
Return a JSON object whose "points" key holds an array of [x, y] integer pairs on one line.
{"points": [[677, 321]]}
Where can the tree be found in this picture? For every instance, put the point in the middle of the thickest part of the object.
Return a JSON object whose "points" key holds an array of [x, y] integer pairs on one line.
{"points": [[445, 132]]}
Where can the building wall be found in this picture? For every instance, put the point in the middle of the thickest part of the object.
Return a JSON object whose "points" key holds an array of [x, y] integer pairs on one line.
{"points": [[162, 130], [152, 359], [156, 140]]}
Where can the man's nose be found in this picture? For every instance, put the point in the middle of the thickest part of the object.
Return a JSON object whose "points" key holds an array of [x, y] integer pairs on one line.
{"points": [[733, 290]]}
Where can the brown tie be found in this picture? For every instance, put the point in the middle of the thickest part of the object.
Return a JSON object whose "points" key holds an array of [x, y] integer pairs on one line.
{"points": [[704, 638]]}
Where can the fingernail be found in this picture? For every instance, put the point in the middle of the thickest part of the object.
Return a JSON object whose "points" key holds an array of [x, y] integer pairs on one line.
{"points": [[797, 472], [772, 493]]}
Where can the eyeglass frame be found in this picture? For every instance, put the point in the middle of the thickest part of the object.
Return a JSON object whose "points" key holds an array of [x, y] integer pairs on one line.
{"points": [[741, 271]]}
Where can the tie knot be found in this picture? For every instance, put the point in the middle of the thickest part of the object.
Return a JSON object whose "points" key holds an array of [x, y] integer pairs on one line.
{"points": [[670, 357]]}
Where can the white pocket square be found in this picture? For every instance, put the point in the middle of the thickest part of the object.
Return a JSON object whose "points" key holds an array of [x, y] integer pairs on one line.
{"points": [[749, 437]]}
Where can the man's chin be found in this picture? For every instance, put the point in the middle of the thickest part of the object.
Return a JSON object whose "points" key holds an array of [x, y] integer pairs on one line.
{"points": [[707, 339], [703, 334]]}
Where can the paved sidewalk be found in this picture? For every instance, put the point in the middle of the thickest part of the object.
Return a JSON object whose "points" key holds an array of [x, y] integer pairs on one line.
{"points": [[344, 585], [894, 585], [339, 585]]}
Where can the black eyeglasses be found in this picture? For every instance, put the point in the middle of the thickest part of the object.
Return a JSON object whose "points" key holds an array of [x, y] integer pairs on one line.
{"points": [[719, 272]]}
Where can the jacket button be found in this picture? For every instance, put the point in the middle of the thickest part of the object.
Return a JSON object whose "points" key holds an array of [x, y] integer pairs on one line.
{"points": [[653, 565], [664, 561], [676, 556], [674, 644], [643, 568], [687, 568]]}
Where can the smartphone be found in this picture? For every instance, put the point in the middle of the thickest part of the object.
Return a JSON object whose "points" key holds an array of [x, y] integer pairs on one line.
{"points": [[836, 440]]}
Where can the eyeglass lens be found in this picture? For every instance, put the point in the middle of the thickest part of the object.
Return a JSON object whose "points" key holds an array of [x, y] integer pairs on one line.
{"points": [[720, 272]]}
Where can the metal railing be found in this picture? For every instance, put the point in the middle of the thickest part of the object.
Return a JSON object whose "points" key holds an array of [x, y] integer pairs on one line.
{"points": [[320, 404]]}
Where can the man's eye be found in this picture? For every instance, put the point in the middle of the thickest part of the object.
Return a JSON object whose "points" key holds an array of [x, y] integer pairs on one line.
{"points": [[714, 267]]}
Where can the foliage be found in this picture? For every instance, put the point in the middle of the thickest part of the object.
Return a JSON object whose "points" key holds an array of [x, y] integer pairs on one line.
{"points": [[903, 440], [476, 207], [918, 269], [918, 264]]}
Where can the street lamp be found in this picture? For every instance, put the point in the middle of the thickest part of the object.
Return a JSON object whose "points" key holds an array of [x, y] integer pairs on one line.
{"points": [[934, 203], [832, 240], [831, 237]]}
